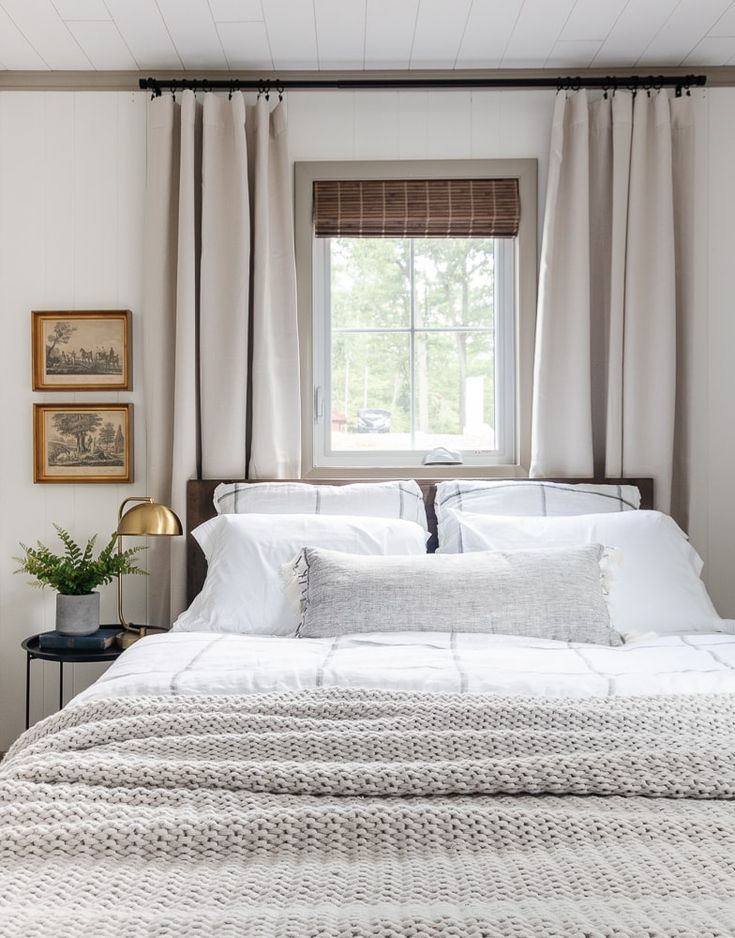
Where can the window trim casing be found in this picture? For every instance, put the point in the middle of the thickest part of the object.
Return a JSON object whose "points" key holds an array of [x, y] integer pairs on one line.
{"points": [[526, 269]]}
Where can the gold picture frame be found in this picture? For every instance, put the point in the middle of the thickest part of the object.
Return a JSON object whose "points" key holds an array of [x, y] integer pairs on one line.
{"points": [[85, 350], [77, 443]]}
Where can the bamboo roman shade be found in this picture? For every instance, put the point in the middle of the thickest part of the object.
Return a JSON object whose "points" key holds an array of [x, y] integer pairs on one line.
{"points": [[416, 208]]}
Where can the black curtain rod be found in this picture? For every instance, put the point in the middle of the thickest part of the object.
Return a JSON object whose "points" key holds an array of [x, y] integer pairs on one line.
{"points": [[561, 83]]}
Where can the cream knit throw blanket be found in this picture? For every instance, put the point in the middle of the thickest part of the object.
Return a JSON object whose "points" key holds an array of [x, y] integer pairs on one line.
{"points": [[337, 813]]}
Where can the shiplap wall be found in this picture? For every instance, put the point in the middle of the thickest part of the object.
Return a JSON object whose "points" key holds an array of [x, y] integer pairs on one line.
{"points": [[72, 170]]}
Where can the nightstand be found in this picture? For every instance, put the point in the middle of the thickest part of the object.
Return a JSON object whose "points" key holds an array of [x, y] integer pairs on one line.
{"points": [[62, 656]]}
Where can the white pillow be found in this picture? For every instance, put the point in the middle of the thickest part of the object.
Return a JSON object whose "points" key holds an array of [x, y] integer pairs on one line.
{"points": [[655, 588], [525, 497], [396, 499], [244, 590]]}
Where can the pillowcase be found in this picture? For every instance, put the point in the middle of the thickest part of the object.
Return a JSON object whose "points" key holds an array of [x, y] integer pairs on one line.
{"points": [[656, 587], [511, 497], [400, 499], [556, 593], [244, 592]]}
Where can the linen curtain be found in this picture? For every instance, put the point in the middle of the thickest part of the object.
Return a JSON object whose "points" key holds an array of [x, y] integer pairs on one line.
{"points": [[613, 272], [220, 343]]}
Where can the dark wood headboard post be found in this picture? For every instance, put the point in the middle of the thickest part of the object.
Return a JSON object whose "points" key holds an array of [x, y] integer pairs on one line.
{"points": [[200, 508]]}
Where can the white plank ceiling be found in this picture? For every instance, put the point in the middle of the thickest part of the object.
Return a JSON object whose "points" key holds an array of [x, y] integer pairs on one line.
{"points": [[364, 34]]}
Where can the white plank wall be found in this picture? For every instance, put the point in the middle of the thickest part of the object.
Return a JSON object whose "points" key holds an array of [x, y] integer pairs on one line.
{"points": [[72, 170], [71, 220]]}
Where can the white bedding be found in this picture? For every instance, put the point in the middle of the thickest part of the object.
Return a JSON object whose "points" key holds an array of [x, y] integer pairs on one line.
{"points": [[203, 663]]}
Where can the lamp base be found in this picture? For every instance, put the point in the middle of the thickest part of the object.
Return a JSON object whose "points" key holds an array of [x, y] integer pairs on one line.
{"points": [[128, 637]]}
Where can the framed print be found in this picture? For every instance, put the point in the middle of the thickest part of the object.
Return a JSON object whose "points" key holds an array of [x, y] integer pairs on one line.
{"points": [[83, 442], [81, 351]]}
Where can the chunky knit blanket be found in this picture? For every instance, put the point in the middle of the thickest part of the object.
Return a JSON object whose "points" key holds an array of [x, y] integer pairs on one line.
{"points": [[330, 814]]}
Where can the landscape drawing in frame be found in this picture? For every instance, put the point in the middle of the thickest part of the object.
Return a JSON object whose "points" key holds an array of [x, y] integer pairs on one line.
{"points": [[81, 351], [83, 442]]}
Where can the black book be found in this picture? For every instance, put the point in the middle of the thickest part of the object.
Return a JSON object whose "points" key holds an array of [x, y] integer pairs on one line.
{"points": [[98, 641]]}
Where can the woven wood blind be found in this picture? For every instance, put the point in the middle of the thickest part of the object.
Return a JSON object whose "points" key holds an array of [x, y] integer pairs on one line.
{"points": [[416, 208]]}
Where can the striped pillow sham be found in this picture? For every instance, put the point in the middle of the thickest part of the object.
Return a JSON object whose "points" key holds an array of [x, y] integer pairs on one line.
{"points": [[525, 498], [395, 499]]}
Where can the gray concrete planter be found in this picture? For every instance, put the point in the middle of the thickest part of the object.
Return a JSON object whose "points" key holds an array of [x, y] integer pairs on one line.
{"points": [[77, 615]]}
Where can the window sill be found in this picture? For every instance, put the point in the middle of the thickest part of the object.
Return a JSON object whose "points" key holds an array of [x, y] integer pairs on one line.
{"points": [[419, 472]]}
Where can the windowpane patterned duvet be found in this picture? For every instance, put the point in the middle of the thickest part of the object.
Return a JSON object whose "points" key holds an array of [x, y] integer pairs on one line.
{"points": [[202, 663]]}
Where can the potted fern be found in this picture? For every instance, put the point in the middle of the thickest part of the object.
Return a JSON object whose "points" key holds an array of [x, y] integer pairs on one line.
{"points": [[75, 574]]}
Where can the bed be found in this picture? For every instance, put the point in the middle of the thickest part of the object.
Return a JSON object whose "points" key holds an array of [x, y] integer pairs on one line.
{"points": [[431, 784]]}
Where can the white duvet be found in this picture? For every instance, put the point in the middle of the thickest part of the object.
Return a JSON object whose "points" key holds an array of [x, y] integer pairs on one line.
{"points": [[203, 663]]}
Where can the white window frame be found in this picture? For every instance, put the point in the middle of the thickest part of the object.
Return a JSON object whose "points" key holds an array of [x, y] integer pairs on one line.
{"points": [[513, 347], [325, 457]]}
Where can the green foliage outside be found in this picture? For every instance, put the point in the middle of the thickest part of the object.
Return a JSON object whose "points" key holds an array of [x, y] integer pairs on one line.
{"points": [[453, 288], [76, 571]]}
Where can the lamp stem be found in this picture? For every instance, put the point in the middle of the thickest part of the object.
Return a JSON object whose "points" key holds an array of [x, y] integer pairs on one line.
{"points": [[120, 614]]}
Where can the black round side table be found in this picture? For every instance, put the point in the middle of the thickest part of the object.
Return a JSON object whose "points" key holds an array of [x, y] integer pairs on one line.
{"points": [[63, 656]]}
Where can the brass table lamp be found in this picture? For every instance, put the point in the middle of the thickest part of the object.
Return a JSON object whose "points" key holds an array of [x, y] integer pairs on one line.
{"points": [[147, 519]]}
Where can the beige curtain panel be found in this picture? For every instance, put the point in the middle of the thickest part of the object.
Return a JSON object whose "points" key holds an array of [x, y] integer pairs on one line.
{"points": [[220, 341], [612, 287], [417, 208]]}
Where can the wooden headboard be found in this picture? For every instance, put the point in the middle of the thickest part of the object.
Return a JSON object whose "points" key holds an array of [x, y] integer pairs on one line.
{"points": [[200, 508]]}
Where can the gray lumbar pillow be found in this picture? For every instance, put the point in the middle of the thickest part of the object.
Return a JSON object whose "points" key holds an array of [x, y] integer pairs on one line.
{"points": [[555, 593]]}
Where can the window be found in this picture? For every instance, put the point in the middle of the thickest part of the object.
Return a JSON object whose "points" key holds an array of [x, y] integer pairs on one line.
{"points": [[413, 340], [414, 336]]}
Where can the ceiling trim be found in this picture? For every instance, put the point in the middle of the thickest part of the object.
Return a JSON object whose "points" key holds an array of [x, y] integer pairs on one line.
{"points": [[128, 80]]}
